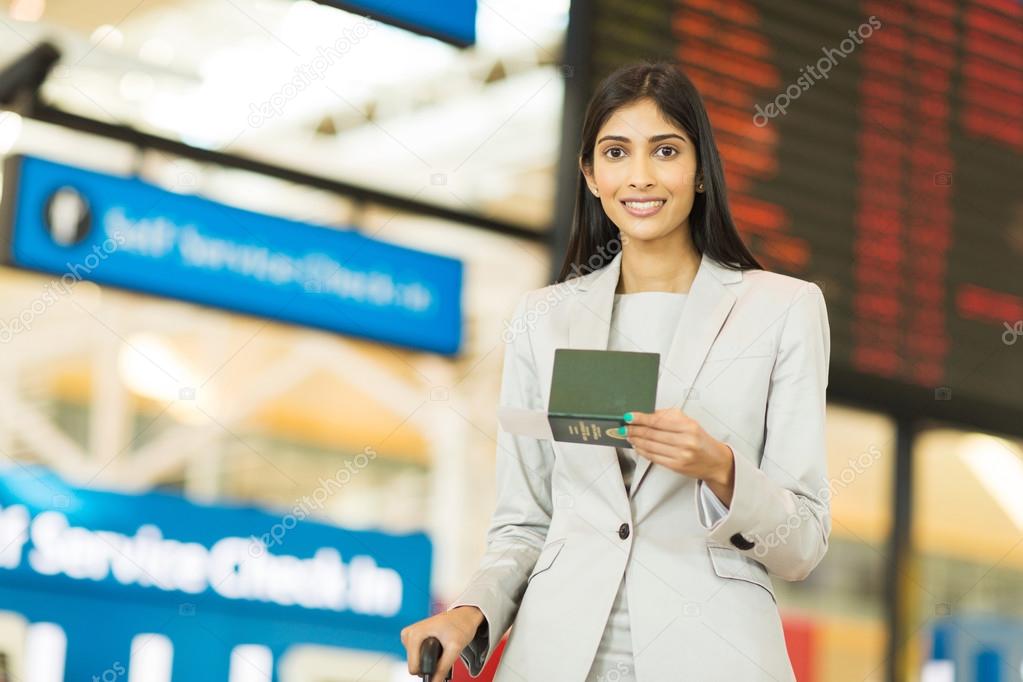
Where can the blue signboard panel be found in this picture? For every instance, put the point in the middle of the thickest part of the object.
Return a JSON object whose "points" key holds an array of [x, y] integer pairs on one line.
{"points": [[450, 20], [81, 224], [976, 648], [106, 567]]}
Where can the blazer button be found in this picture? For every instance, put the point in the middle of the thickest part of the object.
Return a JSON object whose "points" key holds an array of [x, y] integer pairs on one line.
{"points": [[623, 531], [741, 542]]}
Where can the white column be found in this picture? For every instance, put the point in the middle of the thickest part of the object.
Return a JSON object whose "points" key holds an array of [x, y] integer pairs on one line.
{"points": [[152, 658], [448, 484], [203, 472], [45, 653], [109, 411], [251, 663]]}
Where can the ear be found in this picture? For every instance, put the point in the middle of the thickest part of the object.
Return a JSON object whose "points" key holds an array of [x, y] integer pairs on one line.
{"points": [[587, 172]]}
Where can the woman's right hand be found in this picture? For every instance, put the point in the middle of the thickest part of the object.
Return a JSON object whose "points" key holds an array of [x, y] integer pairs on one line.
{"points": [[454, 629]]}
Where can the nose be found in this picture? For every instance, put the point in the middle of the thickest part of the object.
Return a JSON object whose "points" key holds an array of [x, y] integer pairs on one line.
{"points": [[640, 175]]}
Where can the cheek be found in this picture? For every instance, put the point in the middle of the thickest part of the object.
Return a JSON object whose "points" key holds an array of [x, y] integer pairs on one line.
{"points": [[680, 178], [683, 203], [608, 178]]}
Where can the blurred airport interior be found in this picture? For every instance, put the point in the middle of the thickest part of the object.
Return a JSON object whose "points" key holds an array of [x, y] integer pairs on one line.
{"points": [[257, 261]]}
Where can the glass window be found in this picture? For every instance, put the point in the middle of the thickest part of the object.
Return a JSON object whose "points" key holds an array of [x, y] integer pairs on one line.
{"points": [[835, 619], [968, 539]]}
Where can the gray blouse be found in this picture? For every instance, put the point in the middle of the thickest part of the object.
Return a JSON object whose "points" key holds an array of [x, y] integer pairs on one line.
{"points": [[644, 321]]}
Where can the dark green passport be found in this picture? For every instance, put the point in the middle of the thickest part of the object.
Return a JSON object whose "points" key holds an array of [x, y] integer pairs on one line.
{"points": [[592, 389]]}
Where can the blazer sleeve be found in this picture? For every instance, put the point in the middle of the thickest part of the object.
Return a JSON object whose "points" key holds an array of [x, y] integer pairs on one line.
{"points": [[780, 512], [521, 519]]}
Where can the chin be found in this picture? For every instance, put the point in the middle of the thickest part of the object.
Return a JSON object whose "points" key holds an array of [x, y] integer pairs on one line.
{"points": [[644, 232]]}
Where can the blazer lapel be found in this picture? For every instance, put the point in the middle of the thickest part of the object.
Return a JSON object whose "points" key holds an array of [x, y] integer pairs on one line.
{"points": [[706, 308], [589, 327]]}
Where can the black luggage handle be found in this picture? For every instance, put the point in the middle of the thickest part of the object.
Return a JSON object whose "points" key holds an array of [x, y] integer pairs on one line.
{"points": [[429, 658]]}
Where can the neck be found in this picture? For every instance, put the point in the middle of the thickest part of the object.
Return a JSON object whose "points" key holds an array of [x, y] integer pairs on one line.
{"points": [[661, 265]]}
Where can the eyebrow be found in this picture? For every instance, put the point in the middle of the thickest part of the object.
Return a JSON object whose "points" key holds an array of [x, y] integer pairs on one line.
{"points": [[655, 138]]}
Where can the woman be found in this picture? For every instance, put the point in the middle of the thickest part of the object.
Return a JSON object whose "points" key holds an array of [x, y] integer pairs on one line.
{"points": [[653, 562]]}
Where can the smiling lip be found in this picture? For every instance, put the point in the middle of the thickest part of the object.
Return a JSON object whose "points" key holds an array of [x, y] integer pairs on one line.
{"points": [[645, 211]]}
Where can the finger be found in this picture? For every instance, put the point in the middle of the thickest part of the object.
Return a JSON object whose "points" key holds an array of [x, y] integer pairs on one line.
{"points": [[447, 661], [664, 461], [637, 417], [676, 418], [652, 449], [655, 434], [654, 457], [657, 420], [663, 415], [412, 651]]}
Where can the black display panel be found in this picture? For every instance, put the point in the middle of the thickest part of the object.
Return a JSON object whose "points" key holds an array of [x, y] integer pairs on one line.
{"points": [[875, 148]]}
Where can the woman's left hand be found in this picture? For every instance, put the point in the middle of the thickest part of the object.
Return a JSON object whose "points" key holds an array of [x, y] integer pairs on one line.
{"points": [[671, 438]]}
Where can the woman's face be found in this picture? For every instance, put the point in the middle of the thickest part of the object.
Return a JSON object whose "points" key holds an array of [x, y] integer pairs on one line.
{"points": [[640, 157]]}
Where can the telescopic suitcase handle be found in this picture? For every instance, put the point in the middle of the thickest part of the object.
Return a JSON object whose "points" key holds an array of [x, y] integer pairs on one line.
{"points": [[429, 658]]}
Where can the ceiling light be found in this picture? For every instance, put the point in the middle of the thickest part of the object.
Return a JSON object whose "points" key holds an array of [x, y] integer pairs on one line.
{"points": [[149, 366], [27, 10], [109, 36], [998, 465]]}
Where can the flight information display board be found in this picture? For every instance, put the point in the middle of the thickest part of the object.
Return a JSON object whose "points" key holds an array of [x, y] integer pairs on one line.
{"points": [[876, 148]]}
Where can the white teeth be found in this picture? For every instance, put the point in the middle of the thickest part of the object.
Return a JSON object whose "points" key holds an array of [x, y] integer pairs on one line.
{"points": [[643, 205]]}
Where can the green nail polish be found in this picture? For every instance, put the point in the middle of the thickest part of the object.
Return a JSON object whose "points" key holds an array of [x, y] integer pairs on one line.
{"points": [[628, 416], [621, 430]]}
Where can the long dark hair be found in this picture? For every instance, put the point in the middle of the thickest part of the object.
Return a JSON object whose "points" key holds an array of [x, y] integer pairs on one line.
{"points": [[713, 230]]}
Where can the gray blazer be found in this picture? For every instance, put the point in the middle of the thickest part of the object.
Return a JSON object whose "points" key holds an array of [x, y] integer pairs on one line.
{"points": [[749, 362]]}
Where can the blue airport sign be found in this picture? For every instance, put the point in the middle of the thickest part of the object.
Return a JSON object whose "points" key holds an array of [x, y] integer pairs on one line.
{"points": [[453, 21], [105, 567], [124, 232]]}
